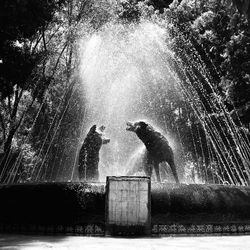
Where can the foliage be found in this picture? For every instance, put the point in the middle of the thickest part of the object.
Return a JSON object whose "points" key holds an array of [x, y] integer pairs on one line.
{"points": [[222, 33], [29, 64]]}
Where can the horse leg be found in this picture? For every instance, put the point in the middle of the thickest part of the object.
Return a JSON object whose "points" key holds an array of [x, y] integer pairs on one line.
{"points": [[157, 171], [148, 169], [173, 168]]}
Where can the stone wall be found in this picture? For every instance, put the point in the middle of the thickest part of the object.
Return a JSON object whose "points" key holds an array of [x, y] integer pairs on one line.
{"points": [[75, 208]]}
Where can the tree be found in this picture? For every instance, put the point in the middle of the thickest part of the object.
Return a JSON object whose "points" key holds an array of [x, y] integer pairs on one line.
{"points": [[213, 36], [22, 50]]}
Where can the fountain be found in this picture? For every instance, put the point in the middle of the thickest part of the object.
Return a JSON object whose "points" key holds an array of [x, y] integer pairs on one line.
{"points": [[131, 71], [124, 77]]}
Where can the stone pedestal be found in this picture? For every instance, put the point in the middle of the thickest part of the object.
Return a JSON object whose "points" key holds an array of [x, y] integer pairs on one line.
{"points": [[128, 206]]}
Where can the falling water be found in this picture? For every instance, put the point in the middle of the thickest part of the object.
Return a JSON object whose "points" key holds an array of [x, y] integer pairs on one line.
{"points": [[125, 77]]}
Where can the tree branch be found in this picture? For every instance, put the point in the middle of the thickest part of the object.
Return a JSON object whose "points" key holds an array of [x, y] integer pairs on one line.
{"points": [[37, 42], [44, 41], [3, 127]]}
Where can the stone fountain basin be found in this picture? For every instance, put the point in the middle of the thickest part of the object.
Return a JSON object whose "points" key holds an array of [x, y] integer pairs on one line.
{"points": [[199, 204], [52, 203], [84, 203]]}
